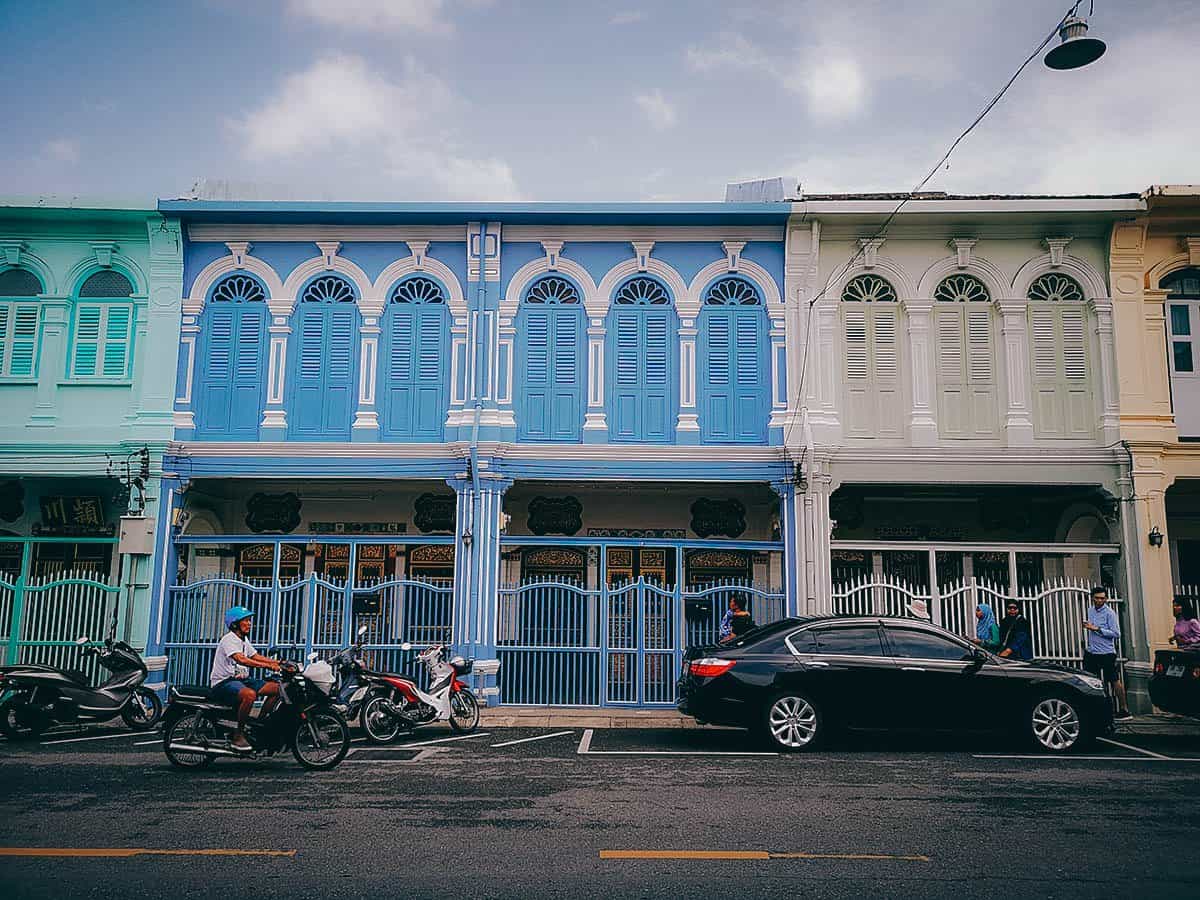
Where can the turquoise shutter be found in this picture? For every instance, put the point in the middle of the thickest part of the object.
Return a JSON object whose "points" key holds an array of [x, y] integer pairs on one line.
{"points": [[340, 396], [430, 412], [117, 333], [656, 393], [535, 424], [22, 362], [87, 339], [567, 416]]}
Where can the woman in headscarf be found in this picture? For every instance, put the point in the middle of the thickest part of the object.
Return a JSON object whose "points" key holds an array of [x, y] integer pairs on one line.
{"points": [[987, 632], [1016, 634]]}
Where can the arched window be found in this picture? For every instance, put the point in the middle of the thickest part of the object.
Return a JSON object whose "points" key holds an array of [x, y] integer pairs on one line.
{"points": [[734, 378], [871, 319], [966, 359], [324, 352], [1183, 298], [20, 318], [641, 363], [102, 331], [550, 356], [231, 370], [1062, 395], [412, 364]]}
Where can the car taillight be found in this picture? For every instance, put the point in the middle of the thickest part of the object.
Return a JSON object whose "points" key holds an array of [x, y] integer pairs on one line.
{"points": [[711, 667], [1196, 672], [1159, 668]]}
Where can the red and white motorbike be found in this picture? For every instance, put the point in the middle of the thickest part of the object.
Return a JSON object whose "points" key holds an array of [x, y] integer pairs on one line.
{"points": [[397, 705]]}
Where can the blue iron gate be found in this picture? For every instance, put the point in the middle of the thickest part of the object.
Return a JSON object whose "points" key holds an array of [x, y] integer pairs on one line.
{"points": [[313, 613], [561, 644]]}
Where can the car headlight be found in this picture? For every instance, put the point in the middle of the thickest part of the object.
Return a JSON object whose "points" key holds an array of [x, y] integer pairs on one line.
{"points": [[1094, 683]]}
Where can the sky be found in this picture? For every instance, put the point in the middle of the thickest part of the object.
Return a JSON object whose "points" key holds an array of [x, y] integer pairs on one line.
{"points": [[572, 100]]}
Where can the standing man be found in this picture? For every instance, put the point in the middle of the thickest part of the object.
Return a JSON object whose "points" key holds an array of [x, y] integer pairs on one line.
{"points": [[1100, 655]]}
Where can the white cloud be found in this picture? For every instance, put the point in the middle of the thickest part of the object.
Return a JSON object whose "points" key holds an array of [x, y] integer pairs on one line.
{"points": [[424, 16], [836, 89], [659, 111], [62, 150], [629, 17], [339, 118]]}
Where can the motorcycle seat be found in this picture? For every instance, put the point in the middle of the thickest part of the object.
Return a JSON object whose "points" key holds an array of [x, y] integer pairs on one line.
{"points": [[78, 677]]}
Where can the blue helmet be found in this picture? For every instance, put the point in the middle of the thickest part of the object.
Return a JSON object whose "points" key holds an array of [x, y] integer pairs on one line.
{"points": [[236, 614]]}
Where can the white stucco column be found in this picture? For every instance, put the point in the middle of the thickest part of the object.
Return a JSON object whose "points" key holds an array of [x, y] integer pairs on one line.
{"points": [[189, 333], [1106, 377], [1014, 330], [595, 422], [815, 530], [366, 416], [52, 360], [779, 373], [274, 416], [687, 428], [922, 424]]}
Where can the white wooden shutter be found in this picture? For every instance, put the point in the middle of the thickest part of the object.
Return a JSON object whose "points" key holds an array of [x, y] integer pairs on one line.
{"points": [[981, 371], [886, 388], [953, 419]]}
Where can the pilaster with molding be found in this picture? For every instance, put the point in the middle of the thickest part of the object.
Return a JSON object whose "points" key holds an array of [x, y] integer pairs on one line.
{"points": [[922, 425], [1014, 331]]}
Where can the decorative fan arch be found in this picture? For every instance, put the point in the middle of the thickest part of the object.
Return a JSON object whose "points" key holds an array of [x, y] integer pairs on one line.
{"points": [[1055, 288], [732, 292], [552, 290], [642, 291], [962, 289], [869, 289], [328, 289], [418, 290], [106, 283], [238, 289], [19, 283]]}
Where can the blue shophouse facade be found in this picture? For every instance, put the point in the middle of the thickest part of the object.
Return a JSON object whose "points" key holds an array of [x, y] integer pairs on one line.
{"points": [[551, 435]]}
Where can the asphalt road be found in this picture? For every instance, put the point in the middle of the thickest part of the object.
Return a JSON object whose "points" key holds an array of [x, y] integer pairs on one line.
{"points": [[933, 818]]}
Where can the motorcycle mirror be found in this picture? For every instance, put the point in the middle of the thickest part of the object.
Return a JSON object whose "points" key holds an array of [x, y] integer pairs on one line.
{"points": [[80, 641], [312, 657], [406, 646], [362, 629]]}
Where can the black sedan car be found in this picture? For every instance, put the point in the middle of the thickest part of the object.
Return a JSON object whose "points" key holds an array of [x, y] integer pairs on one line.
{"points": [[796, 680]]}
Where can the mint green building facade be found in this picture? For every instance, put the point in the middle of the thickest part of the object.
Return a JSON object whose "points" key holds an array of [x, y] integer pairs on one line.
{"points": [[89, 324]]}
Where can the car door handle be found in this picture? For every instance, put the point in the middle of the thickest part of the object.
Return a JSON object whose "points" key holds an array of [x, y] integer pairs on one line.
{"points": [[911, 669], [817, 664]]}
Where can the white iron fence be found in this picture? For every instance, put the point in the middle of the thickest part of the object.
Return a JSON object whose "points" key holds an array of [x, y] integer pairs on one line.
{"points": [[1056, 609]]}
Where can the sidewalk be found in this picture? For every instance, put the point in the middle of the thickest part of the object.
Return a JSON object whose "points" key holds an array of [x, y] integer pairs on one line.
{"points": [[608, 717]]}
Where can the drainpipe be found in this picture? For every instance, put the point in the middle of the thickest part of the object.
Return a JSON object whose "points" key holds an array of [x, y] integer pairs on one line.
{"points": [[476, 500]]}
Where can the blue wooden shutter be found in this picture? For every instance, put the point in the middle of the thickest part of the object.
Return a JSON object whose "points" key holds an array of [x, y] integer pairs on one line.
{"points": [[535, 418], [626, 395], [657, 398], [248, 375], [750, 382], [717, 414], [22, 362], [214, 395], [567, 412], [398, 383], [340, 396], [430, 373], [307, 414]]}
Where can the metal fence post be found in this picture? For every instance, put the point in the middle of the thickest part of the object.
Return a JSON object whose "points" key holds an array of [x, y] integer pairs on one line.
{"points": [[604, 601], [14, 631], [310, 609]]}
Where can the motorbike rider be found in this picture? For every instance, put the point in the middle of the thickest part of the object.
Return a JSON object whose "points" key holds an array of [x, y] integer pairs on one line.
{"points": [[230, 679]]}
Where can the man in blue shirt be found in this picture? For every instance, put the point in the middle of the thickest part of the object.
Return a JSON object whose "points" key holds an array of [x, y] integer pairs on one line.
{"points": [[1100, 656]]}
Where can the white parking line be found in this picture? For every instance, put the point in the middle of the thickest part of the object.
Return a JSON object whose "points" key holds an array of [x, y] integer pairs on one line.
{"points": [[678, 753], [540, 737], [585, 742], [1134, 749], [461, 737], [97, 737], [1048, 756], [147, 743]]}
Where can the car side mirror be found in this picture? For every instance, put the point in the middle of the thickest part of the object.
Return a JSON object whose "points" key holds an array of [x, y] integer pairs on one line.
{"points": [[406, 646], [362, 629], [978, 657]]}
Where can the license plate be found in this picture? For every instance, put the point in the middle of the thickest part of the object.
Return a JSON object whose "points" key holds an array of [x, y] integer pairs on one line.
{"points": [[358, 695], [1175, 671]]}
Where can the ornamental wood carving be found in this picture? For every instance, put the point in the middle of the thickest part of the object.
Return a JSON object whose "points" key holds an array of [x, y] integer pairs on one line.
{"points": [[555, 515], [718, 517]]}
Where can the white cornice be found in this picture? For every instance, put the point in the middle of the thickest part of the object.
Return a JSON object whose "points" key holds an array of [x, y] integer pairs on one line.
{"points": [[308, 234], [625, 233], [1048, 455], [1049, 205]]}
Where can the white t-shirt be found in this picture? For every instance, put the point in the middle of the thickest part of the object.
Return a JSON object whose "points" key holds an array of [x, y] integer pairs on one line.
{"points": [[223, 666]]}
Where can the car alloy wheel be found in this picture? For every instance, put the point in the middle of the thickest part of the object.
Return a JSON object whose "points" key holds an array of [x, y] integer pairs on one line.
{"points": [[1056, 724], [792, 721]]}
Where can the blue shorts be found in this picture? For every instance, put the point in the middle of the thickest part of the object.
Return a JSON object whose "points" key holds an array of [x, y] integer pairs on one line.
{"points": [[227, 691]]}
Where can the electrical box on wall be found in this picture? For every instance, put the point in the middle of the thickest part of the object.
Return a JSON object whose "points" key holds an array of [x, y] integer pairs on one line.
{"points": [[137, 535]]}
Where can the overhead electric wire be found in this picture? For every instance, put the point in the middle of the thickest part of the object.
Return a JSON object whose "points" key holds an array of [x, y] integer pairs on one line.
{"points": [[842, 269]]}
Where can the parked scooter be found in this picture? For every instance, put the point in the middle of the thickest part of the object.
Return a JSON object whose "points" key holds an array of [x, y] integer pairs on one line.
{"points": [[35, 697], [402, 706], [197, 729], [355, 680]]}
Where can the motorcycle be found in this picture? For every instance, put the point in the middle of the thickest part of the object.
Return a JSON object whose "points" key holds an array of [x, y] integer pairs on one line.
{"points": [[197, 728], [34, 697], [402, 706], [355, 681]]}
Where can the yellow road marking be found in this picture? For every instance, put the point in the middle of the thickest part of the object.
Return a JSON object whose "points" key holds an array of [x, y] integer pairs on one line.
{"points": [[754, 854], [124, 852]]}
